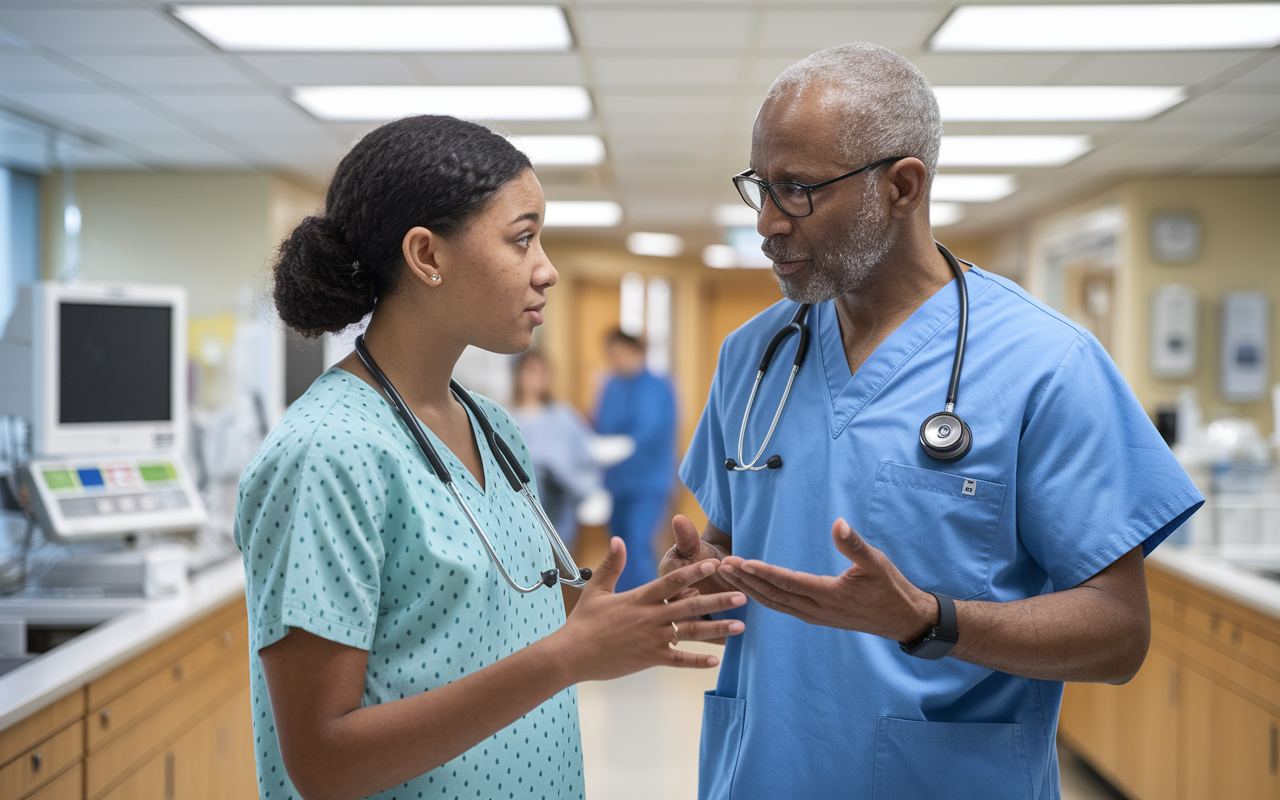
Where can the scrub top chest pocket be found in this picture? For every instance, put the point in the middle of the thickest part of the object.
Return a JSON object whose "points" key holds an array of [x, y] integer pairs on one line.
{"points": [[937, 527]]}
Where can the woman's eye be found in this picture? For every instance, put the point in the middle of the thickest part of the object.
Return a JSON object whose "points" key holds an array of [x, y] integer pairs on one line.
{"points": [[523, 241]]}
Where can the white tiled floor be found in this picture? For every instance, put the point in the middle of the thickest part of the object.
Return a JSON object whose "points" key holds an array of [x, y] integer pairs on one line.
{"points": [[640, 738]]}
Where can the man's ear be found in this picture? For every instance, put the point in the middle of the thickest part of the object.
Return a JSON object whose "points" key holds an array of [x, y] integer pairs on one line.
{"points": [[908, 184], [421, 250]]}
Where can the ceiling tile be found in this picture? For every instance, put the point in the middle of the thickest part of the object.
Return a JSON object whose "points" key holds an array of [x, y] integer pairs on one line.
{"points": [[1151, 68], [1266, 74], [1009, 69], [700, 31], [816, 30], [621, 136], [1262, 158], [1224, 109], [19, 67], [197, 68], [86, 109], [522, 69], [335, 68], [228, 112], [664, 178], [122, 29], [666, 70]]}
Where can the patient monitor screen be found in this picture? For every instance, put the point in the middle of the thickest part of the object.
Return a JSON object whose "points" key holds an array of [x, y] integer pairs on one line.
{"points": [[115, 363]]}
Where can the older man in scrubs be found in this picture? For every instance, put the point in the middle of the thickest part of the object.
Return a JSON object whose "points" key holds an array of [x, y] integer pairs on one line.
{"points": [[863, 554]]}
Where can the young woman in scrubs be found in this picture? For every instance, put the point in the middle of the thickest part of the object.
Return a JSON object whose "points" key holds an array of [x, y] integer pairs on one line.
{"points": [[391, 659]]}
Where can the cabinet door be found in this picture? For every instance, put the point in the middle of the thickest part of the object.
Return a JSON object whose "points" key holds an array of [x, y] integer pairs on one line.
{"points": [[1089, 723], [181, 772], [1147, 741], [232, 772], [1229, 745]]}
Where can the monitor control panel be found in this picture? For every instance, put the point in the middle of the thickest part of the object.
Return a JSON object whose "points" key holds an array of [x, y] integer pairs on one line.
{"points": [[100, 497]]}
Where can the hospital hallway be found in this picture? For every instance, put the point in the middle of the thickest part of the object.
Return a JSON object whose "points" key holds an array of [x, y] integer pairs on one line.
{"points": [[640, 733]]}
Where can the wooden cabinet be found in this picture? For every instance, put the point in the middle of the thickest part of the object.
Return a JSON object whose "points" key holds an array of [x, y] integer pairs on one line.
{"points": [[1202, 717], [172, 724]]}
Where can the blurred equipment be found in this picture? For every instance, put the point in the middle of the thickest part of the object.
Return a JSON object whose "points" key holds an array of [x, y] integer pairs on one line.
{"points": [[1174, 322], [1245, 330]]}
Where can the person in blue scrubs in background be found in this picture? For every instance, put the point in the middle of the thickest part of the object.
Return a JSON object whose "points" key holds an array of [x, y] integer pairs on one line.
{"points": [[639, 404], [1038, 533]]}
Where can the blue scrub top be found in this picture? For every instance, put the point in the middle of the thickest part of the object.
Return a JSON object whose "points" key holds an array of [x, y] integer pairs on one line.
{"points": [[642, 406], [1069, 474]]}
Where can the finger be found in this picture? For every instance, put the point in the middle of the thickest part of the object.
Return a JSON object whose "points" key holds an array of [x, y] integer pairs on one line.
{"points": [[683, 659], [767, 594], [701, 631], [685, 594], [688, 543], [801, 583], [677, 580], [703, 604], [605, 577], [847, 540]]}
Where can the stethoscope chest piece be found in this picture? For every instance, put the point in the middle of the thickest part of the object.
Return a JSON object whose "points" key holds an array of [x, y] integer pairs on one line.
{"points": [[945, 436]]}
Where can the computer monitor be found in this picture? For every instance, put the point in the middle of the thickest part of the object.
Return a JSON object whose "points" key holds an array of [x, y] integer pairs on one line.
{"points": [[107, 368]]}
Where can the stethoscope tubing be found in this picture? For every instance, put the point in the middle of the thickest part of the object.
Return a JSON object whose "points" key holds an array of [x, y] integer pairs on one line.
{"points": [[511, 469]]}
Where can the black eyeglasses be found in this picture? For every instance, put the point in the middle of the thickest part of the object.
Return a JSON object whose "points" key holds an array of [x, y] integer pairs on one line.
{"points": [[793, 199]]}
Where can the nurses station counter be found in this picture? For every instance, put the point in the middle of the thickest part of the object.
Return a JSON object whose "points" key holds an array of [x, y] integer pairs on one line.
{"points": [[1202, 717], [151, 700]]}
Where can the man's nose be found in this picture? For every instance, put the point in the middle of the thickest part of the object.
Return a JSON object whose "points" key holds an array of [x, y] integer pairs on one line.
{"points": [[771, 220]]}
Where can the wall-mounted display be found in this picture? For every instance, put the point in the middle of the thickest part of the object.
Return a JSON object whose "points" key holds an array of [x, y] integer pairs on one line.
{"points": [[1245, 336], [1174, 322]]}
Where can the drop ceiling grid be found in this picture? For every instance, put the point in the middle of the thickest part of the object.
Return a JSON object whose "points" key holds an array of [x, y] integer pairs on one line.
{"points": [[676, 85]]}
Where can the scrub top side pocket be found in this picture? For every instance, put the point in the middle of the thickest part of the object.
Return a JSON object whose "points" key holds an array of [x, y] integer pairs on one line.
{"points": [[722, 728], [950, 761], [938, 528]]}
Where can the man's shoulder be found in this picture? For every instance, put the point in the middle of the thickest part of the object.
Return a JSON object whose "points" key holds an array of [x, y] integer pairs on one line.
{"points": [[752, 335], [1009, 302]]}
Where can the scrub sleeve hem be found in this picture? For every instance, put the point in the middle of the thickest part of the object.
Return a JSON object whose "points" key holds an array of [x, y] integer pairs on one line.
{"points": [[707, 502], [1164, 521], [270, 631]]}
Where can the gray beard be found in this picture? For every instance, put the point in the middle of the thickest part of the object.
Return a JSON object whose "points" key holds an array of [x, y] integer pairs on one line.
{"points": [[850, 262]]}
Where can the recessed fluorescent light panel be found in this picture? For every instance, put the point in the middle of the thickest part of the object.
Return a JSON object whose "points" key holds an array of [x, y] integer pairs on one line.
{"points": [[664, 245], [1012, 151], [719, 256], [1103, 27], [369, 103], [373, 28], [736, 215], [582, 214], [973, 188], [1055, 103], [944, 214], [562, 151]]}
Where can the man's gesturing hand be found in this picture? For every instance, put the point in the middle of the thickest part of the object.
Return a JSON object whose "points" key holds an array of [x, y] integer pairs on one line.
{"points": [[870, 596]]}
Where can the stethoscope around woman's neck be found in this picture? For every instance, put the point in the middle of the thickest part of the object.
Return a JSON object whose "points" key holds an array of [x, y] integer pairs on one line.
{"points": [[944, 436]]}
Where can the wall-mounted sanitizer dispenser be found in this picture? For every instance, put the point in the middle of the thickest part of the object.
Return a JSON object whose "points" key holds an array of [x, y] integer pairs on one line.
{"points": [[1175, 319], [1245, 346]]}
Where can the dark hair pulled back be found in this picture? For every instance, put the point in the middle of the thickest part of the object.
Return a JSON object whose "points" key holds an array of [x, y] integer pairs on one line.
{"points": [[432, 171]]}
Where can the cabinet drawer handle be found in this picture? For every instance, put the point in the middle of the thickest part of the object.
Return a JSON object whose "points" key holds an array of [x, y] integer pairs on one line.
{"points": [[37, 761], [170, 777], [105, 717], [177, 672], [226, 638]]}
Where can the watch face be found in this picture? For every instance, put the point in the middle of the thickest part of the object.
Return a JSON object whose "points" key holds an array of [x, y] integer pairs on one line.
{"points": [[1175, 237]]}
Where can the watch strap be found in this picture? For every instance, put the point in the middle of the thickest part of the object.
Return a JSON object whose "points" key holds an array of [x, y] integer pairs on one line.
{"points": [[939, 640]]}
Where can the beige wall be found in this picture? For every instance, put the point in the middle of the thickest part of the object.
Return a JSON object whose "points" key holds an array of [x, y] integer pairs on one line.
{"points": [[210, 232]]}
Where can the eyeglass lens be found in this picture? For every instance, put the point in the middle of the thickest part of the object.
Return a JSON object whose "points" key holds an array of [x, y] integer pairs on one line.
{"points": [[792, 198]]}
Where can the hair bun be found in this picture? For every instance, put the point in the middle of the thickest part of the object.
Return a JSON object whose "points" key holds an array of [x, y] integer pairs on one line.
{"points": [[319, 286]]}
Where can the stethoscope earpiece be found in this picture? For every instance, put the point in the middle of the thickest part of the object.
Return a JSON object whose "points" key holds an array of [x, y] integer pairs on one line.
{"points": [[945, 436]]}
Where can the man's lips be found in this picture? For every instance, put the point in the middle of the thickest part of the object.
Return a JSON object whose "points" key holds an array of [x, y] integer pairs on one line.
{"points": [[788, 267]]}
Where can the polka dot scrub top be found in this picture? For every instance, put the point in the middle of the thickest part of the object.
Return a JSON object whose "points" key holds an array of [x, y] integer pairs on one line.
{"points": [[347, 533]]}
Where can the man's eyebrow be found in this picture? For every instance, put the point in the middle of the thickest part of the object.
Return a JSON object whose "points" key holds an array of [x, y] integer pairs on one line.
{"points": [[532, 216]]}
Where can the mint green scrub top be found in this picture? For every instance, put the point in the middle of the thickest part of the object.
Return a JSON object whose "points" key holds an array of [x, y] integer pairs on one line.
{"points": [[347, 533]]}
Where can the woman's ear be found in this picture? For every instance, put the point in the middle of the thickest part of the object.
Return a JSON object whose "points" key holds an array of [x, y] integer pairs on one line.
{"points": [[421, 249], [908, 181]]}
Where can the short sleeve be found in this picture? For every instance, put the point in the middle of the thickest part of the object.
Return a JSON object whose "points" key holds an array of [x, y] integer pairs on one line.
{"points": [[312, 548], [702, 470], [1094, 478]]}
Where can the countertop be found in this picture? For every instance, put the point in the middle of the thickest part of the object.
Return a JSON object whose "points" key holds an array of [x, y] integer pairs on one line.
{"points": [[1249, 589], [129, 627]]}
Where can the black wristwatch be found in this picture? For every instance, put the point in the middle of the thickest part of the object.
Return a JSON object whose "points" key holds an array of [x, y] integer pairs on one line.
{"points": [[939, 640]]}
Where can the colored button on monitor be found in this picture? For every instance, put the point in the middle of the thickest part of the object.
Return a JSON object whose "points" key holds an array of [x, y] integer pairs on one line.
{"points": [[157, 473], [90, 478], [60, 480]]}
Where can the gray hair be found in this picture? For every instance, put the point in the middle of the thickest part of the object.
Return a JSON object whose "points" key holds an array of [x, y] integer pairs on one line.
{"points": [[888, 106]]}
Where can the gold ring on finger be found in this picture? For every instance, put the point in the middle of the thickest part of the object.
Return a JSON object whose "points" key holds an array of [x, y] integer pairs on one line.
{"points": [[675, 634]]}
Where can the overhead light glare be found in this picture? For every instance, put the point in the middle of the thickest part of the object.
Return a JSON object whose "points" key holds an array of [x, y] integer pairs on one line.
{"points": [[582, 214], [943, 214], [372, 103], [1055, 103], [562, 151], [380, 28], [663, 245], [973, 188], [735, 215], [1106, 27], [719, 256], [1012, 151]]}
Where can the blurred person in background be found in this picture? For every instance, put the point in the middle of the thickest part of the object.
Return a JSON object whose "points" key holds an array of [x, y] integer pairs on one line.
{"points": [[639, 404], [558, 439]]}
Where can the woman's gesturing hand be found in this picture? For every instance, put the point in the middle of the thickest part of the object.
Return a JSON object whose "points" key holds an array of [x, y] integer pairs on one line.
{"points": [[609, 635]]}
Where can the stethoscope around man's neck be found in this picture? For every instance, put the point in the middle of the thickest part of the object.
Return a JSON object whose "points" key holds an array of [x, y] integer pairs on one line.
{"points": [[944, 436]]}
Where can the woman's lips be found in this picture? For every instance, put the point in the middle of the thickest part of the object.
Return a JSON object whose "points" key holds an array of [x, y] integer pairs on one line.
{"points": [[536, 312]]}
